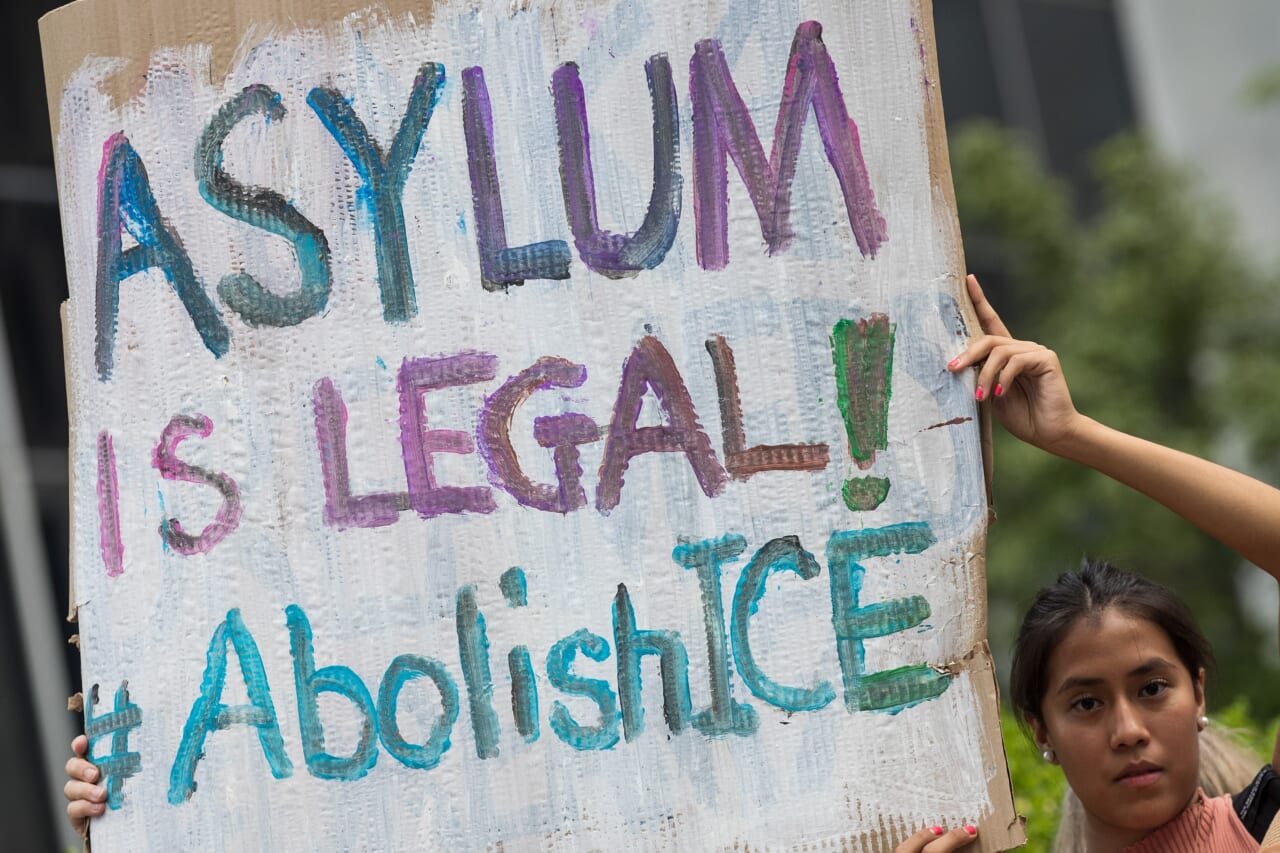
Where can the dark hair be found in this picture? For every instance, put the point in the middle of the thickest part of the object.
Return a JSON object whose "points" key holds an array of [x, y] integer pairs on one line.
{"points": [[1088, 592]]}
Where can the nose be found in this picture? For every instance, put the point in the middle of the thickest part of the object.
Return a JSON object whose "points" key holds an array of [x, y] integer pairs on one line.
{"points": [[1128, 728]]}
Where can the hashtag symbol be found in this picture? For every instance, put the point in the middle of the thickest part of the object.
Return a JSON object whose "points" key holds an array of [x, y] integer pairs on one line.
{"points": [[120, 764]]}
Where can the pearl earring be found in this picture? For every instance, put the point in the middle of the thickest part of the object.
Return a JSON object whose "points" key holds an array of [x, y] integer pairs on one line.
{"points": [[1202, 723], [1049, 756]]}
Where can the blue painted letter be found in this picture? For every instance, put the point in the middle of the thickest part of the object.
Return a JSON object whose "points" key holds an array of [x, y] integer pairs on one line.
{"points": [[725, 716], [125, 202], [560, 671], [310, 683], [473, 648], [404, 669], [633, 644], [266, 209], [384, 176], [894, 689], [208, 714], [782, 554]]}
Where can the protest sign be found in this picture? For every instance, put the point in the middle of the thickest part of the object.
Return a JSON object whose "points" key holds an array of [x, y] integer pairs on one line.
{"points": [[521, 426]]}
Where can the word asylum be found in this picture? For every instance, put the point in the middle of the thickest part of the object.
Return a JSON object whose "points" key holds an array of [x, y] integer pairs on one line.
{"points": [[722, 132]]}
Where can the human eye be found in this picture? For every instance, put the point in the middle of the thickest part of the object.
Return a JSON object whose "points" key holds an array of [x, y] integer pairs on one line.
{"points": [[1153, 688], [1085, 704]]}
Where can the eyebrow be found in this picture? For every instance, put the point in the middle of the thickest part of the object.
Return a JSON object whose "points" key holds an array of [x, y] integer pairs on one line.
{"points": [[1156, 664]]}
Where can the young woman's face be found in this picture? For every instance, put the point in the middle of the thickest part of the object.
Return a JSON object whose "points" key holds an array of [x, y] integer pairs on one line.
{"points": [[1121, 714]]}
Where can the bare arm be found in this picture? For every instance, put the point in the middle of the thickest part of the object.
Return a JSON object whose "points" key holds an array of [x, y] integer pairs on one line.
{"points": [[1237, 510], [1024, 382]]}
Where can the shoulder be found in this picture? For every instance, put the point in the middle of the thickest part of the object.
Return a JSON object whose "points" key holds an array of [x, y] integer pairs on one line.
{"points": [[1256, 805], [1206, 825]]}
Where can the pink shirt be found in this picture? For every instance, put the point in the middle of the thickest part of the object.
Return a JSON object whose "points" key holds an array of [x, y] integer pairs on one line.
{"points": [[1205, 826]]}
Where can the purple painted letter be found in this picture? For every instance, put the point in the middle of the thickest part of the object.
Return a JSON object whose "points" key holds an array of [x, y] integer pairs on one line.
{"points": [[109, 507], [650, 366], [417, 376], [341, 508], [618, 255], [172, 468], [722, 125], [494, 435], [500, 265]]}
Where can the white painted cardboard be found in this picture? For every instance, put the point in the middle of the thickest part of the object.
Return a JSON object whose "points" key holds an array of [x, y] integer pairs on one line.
{"points": [[377, 608]]}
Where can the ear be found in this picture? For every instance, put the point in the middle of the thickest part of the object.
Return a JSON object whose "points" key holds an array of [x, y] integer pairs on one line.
{"points": [[1040, 732], [1199, 686]]}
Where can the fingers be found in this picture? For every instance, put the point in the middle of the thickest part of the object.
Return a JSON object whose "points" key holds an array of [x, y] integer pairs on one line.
{"points": [[87, 797], [84, 798], [1031, 362], [977, 351], [953, 840], [84, 801], [987, 316], [1006, 362], [1002, 360], [936, 840], [80, 770], [916, 843]]}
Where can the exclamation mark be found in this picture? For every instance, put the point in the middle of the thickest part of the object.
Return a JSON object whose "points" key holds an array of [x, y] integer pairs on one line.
{"points": [[863, 356]]}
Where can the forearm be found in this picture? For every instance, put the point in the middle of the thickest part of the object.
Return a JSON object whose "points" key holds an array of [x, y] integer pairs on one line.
{"points": [[1237, 510]]}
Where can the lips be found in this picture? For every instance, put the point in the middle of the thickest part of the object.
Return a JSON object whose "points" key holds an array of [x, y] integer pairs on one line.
{"points": [[1140, 774]]}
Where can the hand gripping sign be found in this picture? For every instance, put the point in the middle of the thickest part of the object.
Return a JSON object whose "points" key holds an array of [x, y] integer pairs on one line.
{"points": [[520, 426]]}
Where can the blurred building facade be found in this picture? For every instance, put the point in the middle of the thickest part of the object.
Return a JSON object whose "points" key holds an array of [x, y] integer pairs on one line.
{"points": [[1193, 65], [1067, 73]]}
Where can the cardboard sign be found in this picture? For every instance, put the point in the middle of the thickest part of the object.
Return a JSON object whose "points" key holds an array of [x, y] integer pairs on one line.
{"points": [[521, 426]]}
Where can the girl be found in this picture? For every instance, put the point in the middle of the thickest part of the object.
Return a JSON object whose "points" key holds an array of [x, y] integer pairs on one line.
{"points": [[1109, 668], [1226, 767]]}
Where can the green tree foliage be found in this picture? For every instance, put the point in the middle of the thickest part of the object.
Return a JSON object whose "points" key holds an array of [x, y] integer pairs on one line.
{"points": [[1164, 331]]}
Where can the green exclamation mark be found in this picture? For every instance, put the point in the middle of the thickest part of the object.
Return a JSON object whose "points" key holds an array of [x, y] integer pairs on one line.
{"points": [[863, 356]]}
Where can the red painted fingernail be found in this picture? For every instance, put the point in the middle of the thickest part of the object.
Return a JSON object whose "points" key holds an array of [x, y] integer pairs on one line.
{"points": [[936, 830], [954, 363], [999, 390], [979, 394], [972, 830]]}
